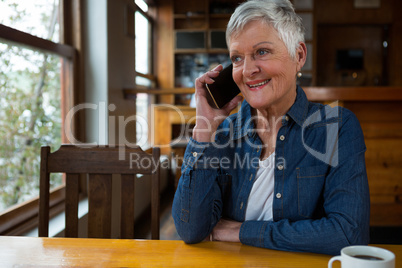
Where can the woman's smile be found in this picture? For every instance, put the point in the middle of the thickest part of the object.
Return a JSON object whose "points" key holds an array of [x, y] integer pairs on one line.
{"points": [[258, 84]]}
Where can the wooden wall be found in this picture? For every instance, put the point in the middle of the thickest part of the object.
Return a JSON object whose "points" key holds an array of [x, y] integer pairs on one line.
{"points": [[382, 127], [395, 51], [343, 13]]}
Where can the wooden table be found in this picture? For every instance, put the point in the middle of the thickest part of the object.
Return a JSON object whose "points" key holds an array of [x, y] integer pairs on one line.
{"points": [[70, 252]]}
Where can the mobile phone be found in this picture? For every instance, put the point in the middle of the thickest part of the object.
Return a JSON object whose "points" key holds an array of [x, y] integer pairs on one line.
{"points": [[223, 90]]}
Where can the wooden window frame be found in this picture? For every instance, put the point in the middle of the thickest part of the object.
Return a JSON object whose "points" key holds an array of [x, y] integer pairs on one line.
{"points": [[150, 17], [23, 217]]}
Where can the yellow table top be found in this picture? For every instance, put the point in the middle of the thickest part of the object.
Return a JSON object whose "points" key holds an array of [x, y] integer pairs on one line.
{"points": [[70, 252]]}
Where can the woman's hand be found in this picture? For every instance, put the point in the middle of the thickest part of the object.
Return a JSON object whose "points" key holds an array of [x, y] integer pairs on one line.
{"points": [[226, 230], [208, 118]]}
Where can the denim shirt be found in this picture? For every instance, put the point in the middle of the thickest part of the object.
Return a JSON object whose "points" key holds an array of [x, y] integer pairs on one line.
{"points": [[321, 196]]}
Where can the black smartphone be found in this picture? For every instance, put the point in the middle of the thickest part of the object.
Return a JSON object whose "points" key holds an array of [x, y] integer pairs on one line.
{"points": [[223, 90]]}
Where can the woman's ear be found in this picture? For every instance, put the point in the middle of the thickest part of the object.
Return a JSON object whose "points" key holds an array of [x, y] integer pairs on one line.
{"points": [[301, 55]]}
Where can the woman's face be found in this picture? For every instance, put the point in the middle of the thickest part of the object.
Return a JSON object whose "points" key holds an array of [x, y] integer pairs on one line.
{"points": [[263, 68]]}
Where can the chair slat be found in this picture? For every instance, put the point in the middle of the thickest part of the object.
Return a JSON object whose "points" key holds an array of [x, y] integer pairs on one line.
{"points": [[44, 193], [155, 196], [72, 194], [127, 206], [100, 205]]}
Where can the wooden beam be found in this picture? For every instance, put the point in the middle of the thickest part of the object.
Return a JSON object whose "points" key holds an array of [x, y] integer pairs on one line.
{"points": [[164, 40], [26, 39]]}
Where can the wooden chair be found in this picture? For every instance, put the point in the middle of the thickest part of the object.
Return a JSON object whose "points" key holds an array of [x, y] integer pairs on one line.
{"points": [[99, 163]]}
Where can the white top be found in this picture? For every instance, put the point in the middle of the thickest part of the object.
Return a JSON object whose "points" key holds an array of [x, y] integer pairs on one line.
{"points": [[259, 205]]}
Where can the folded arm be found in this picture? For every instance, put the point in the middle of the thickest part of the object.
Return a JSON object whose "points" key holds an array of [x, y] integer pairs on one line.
{"points": [[198, 191]]}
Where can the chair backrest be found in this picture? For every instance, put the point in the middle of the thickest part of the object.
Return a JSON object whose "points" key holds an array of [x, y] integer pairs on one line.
{"points": [[99, 163]]}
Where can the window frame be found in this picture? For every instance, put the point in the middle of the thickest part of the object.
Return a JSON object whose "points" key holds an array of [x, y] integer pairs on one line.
{"points": [[150, 16], [22, 217], [151, 75]]}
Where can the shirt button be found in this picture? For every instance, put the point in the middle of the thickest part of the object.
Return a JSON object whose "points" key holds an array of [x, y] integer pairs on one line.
{"points": [[282, 137], [287, 118], [241, 205], [278, 195], [280, 167], [195, 154]]}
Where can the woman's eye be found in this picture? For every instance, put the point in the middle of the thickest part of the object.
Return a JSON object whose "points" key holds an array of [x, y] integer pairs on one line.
{"points": [[235, 59], [262, 52]]}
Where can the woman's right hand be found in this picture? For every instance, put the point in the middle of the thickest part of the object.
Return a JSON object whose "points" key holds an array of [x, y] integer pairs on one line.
{"points": [[208, 118]]}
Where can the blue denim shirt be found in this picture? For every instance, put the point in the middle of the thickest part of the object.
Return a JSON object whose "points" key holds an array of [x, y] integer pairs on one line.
{"points": [[321, 195]]}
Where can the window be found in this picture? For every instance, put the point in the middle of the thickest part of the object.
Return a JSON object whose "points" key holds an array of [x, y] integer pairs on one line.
{"points": [[143, 68], [39, 18], [36, 87], [29, 118]]}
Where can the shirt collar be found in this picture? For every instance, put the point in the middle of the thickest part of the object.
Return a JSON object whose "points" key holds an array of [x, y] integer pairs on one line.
{"points": [[245, 126], [298, 111]]}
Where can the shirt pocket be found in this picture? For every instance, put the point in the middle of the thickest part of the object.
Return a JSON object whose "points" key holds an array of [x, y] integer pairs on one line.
{"points": [[310, 184]]}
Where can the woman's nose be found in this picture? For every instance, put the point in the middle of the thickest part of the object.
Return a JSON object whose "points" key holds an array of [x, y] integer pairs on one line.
{"points": [[250, 67]]}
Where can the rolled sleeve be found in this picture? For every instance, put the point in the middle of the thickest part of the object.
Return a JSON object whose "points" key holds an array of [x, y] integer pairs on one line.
{"points": [[252, 233]]}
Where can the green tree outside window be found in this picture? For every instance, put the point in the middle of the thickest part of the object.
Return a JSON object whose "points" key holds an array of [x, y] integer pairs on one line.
{"points": [[30, 100]]}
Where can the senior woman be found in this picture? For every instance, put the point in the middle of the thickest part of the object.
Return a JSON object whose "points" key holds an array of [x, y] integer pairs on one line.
{"points": [[282, 173]]}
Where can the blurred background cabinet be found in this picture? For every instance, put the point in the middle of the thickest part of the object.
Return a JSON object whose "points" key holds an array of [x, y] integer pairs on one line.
{"points": [[348, 44], [199, 39]]}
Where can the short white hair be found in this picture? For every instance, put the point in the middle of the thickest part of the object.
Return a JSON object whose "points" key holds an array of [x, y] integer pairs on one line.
{"points": [[280, 14]]}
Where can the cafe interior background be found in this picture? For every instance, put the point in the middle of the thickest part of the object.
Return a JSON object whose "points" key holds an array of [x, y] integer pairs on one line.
{"points": [[122, 71]]}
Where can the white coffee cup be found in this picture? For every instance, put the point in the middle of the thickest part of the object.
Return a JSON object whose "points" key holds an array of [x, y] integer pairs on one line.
{"points": [[364, 257]]}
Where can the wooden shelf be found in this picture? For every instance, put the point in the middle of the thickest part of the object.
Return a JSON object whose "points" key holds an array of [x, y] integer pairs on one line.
{"points": [[354, 93], [313, 93], [130, 93], [220, 16], [187, 30], [190, 51], [201, 50], [190, 16]]}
